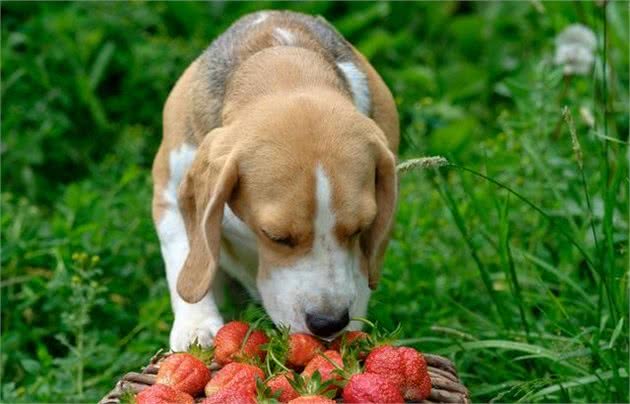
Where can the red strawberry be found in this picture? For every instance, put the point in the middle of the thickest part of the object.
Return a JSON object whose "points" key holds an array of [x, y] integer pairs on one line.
{"points": [[312, 400], [229, 340], [281, 383], [230, 396], [323, 365], [235, 376], [371, 388], [302, 348], [183, 372], [325, 368], [162, 394], [405, 367]]}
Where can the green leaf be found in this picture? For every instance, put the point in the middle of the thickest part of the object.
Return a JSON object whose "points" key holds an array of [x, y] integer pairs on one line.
{"points": [[30, 366]]}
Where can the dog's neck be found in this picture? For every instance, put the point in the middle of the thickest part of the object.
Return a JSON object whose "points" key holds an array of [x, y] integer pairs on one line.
{"points": [[281, 71]]}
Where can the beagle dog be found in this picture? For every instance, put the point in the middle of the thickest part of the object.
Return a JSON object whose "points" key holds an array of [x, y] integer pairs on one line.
{"points": [[277, 165]]}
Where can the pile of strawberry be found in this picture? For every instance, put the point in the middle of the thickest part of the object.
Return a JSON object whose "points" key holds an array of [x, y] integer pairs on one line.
{"points": [[277, 366]]}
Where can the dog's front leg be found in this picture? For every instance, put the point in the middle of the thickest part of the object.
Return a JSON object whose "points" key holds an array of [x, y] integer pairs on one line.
{"points": [[193, 322]]}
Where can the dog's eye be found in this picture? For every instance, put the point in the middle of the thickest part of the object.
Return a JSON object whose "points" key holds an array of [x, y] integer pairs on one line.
{"points": [[283, 240]]}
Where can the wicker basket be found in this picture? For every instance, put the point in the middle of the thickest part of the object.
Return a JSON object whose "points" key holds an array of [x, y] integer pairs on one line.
{"points": [[447, 388]]}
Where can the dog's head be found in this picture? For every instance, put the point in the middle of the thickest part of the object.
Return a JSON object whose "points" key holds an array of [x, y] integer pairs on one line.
{"points": [[315, 181]]}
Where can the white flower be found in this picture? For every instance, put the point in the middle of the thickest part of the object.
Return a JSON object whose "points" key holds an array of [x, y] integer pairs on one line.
{"points": [[575, 49]]}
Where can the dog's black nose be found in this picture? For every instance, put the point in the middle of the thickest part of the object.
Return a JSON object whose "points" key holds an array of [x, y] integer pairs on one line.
{"points": [[324, 325]]}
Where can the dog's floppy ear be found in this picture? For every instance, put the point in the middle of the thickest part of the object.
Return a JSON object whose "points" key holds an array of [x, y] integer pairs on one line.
{"points": [[204, 191], [374, 240]]}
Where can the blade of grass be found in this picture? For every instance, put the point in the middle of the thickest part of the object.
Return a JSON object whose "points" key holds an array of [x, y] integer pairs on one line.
{"points": [[100, 64], [577, 150], [539, 336], [420, 341], [449, 330], [580, 381], [493, 388], [566, 355], [507, 262], [483, 271], [561, 276], [610, 139], [512, 346], [473, 191], [616, 333]]}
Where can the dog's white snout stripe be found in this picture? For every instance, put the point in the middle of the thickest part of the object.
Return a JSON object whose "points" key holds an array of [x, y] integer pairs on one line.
{"points": [[326, 280]]}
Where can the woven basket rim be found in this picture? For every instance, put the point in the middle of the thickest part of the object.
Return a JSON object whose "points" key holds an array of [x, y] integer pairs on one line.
{"points": [[446, 385]]}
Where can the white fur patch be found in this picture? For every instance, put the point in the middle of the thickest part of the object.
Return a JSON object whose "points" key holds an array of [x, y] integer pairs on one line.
{"points": [[171, 229], [199, 321], [179, 161], [262, 17], [283, 36], [327, 280], [243, 264], [358, 86]]}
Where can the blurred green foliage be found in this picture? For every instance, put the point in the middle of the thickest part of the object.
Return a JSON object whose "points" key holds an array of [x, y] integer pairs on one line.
{"points": [[83, 86]]}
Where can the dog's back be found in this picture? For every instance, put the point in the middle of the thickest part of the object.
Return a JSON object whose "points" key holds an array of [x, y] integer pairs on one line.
{"points": [[264, 29]]}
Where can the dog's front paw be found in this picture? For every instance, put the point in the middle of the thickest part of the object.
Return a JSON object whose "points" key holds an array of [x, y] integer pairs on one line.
{"points": [[189, 329]]}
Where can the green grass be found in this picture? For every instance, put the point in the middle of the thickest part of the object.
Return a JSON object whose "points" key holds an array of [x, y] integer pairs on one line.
{"points": [[512, 261]]}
